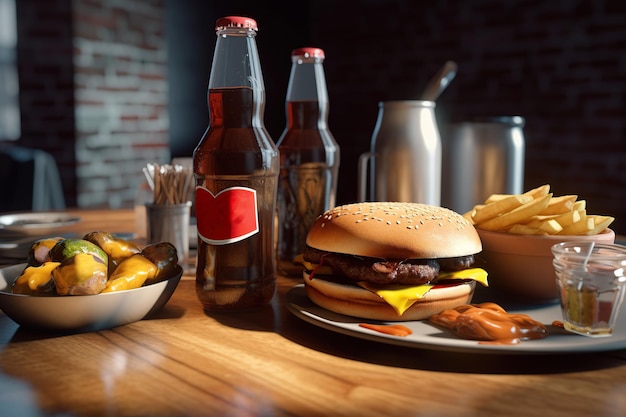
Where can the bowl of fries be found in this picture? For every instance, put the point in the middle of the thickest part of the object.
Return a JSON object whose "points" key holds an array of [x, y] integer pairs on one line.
{"points": [[518, 231]]}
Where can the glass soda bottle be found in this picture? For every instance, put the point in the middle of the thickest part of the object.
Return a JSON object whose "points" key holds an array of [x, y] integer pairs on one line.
{"points": [[236, 167], [309, 157]]}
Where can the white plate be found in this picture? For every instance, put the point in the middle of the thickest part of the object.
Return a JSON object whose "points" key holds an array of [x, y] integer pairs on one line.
{"points": [[34, 224], [81, 313], [427, 336]]}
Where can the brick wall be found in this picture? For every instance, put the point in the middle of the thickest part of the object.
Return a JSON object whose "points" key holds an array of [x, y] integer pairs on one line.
{"points": [[94, 92], [121, 97]]}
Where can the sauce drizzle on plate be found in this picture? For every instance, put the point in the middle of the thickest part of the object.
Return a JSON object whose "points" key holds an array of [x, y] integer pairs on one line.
{"points": [[392, 329], [490, 324]]}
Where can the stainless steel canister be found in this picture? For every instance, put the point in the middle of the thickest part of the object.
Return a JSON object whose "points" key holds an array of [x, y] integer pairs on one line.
{"points": [[481, 158], [405, 155]]}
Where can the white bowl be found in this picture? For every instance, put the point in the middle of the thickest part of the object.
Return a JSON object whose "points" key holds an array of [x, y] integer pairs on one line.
{"points": [[82, 313], [521, 265]]}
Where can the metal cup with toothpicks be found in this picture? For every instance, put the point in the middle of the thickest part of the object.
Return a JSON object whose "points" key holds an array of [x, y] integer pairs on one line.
{"points": [[168, 216]]}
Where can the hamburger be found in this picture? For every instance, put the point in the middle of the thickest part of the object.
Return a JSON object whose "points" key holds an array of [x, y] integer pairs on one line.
{"points": [[391, 261]]}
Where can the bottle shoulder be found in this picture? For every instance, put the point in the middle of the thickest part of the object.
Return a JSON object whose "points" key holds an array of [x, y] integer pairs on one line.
{"points": [[306, 138]]}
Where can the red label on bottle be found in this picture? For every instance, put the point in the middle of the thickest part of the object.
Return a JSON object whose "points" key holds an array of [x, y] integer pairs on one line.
{"points": [[228, 217]]}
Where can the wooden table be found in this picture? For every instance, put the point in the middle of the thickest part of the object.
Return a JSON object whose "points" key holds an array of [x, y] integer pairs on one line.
{"points": [[185, 362]]}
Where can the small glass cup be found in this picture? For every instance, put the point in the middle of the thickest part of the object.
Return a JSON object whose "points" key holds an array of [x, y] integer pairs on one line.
{"points": [[591, 278]]}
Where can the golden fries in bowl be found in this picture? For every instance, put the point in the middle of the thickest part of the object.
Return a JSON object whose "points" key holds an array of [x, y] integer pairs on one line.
{"points": [[517, 232], [537, 212]]}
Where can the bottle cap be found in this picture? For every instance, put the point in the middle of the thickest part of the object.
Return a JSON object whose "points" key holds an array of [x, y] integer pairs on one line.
{"points": [[236, 22], [308, 52]]}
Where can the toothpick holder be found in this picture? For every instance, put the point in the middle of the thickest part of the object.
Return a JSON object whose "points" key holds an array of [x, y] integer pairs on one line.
{"points": [[170, 223]]}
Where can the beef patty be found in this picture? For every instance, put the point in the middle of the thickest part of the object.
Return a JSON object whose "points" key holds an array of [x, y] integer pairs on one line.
{"points": [[387, 271]]}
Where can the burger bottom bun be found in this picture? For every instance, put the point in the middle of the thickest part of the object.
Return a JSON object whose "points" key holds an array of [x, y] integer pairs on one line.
{"points": [[352, 300]]}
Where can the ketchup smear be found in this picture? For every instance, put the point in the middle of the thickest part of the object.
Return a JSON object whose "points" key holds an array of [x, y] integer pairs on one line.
{"points": [[391, 329]]}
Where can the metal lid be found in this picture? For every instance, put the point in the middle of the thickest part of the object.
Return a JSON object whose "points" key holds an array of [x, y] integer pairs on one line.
{"points": [[308, 52], [236, 22]]}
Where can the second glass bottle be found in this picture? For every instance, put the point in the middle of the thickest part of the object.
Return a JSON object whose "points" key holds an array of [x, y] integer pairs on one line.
{"points": [[309, 157]]}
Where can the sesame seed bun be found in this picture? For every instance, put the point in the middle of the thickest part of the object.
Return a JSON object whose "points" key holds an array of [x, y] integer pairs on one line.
{"points": [[394, 230]]}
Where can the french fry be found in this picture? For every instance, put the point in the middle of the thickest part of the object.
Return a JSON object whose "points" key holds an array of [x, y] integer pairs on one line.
{"points": [[582, 227], [600, 223], [496, 197], [468, 216], [534, 193], [560, 205], [524, 211], [564, 219], [568, 218], [537, 212], [493, 210], [539, 191], [551, 227]]}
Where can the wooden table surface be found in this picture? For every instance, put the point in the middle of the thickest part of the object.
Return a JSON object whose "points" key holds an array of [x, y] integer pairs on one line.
{"points": [[267, 362]]}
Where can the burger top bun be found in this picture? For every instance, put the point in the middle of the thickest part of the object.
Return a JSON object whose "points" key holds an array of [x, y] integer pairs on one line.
{"points": [[394, 230]]}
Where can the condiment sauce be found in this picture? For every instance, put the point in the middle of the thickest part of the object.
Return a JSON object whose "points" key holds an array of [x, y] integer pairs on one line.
{"points": [[490, 324], [391, 329]]}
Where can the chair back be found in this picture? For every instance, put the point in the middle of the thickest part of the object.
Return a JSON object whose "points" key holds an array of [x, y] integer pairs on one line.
{"points": [[29, 180]]}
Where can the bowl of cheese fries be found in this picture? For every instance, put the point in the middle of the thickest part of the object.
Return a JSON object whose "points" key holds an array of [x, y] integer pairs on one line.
{"points": [[91, 283], [518, 231]]}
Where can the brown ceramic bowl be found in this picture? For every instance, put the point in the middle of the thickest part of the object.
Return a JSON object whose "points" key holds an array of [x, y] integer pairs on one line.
{"points": [[521, 265]]}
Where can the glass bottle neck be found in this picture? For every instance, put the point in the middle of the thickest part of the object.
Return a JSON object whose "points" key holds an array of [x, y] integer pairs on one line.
{"points": [[236, 67], [236, 60], [307, 95]]}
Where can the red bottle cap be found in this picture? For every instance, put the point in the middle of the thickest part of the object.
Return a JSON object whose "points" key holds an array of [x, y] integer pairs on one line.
{"points": [[236, 22], [308, 52]]}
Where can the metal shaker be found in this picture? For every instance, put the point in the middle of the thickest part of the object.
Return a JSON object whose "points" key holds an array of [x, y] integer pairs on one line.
{"points": [[405, 156], [480, 158]]}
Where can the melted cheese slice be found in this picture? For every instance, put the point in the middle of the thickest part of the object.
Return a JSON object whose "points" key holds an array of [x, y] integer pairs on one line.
{"points": [[401, 297], [476, 274]]}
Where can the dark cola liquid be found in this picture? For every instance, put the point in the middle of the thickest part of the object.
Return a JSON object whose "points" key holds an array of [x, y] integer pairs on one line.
{"points": [[232, 154], [305, 182]]}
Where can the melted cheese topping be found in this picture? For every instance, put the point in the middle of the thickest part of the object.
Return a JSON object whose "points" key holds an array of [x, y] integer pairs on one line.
{"points": [[476, 274], [401, 297]]}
